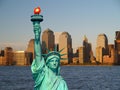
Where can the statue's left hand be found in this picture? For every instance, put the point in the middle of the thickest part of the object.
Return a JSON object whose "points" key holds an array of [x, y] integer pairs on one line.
{"points": [[37, 31]]}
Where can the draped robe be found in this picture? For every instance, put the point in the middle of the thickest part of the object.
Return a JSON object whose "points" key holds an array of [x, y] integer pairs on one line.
{"points": [[45, 78]]}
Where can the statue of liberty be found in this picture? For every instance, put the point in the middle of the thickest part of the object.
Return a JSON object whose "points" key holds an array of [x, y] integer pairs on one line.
{"points": [[45, 68]]}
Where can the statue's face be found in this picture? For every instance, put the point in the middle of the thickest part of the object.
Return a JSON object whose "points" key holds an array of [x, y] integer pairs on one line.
{"points": [[53, 63]]}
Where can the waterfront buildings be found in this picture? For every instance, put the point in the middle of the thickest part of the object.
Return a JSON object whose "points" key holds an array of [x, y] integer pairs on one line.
{"points": [[6, 57], [105, 53], [110, 58], [20, 58], [85, 52], [81, 54], [62, 40], [57, 35], [65, 43], [10, 57], [30, 47], [48, 40], [117, 46], [102, 47]]}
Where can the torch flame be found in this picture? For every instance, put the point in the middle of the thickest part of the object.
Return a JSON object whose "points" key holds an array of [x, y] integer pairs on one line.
{"points": [[37, 10]]}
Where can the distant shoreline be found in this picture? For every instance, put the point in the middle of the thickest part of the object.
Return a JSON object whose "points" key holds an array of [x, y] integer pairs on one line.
{"points": [[73, 65], [90, 65]]}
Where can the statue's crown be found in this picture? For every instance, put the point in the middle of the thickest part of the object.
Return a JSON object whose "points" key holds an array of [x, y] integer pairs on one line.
{"points": [[55, 53]]}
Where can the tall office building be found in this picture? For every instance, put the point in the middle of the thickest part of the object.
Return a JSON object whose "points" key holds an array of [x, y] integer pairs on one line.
{"points": [[57, 35], [102, 41], [85, 52], [22, 58], [8, 55], [81, 55], [19, 58], [48, 40], [99, 54], [112, 53], [117, 46], [110, 58], [2, 57], [65, 41], [30, 48], [87, 47], [102, 47]]}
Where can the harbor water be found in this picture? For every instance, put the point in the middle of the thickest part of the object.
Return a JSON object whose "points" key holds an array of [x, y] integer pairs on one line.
{"points": [[77, 77]]}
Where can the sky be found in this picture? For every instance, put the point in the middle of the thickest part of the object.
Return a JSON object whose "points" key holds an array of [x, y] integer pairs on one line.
{"points": [[77, 17]]}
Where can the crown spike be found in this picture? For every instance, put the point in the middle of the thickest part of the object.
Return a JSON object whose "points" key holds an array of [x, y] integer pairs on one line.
{"points": [[61, 50], [55, 52], [48, 50], [64, 58], [55, 49], [63, 54]]}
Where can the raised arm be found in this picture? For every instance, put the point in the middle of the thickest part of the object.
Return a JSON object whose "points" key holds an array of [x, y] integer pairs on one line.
{"points": [[37, 44]]}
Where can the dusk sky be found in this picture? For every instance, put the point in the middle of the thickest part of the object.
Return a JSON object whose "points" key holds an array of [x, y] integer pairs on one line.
{"points": [[77, 17]]}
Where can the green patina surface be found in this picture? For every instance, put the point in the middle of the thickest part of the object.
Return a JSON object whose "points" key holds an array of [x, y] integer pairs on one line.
{"points": [[45, 70]]}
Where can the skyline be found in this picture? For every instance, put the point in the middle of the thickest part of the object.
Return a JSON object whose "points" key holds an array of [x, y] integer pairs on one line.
{"points": [[78, 18]]}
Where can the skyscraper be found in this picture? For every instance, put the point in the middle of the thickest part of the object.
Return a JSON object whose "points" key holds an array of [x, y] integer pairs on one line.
{"points": [[102, 47], [57, 35], [117, 46], [85, 51], [8, 55], [30, 47], [81, 54], [65, 41], [48, 40], [88, 49]]}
